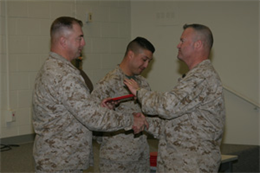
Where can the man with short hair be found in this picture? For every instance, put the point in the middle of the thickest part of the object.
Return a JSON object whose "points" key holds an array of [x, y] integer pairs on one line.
{"points": [[193, 112], [123, 151], [64, 114]]}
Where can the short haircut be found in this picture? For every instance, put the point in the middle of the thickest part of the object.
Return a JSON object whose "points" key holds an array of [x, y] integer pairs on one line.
{"points": [[204, 31], [62, 24], [139, 43]]}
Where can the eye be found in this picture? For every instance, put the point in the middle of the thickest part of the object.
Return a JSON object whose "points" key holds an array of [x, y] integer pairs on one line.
{"points": [[80, 38]]}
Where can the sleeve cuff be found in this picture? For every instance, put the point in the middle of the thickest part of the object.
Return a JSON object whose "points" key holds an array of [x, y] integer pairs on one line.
{"points": [[129, 123]]}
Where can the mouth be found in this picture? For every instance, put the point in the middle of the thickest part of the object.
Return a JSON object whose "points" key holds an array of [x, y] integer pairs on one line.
{"points": [[141, 70]]}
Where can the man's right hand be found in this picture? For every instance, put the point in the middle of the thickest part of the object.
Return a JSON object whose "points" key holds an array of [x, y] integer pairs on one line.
{"points": [[109, 103], [132, 85], [139, 123]]}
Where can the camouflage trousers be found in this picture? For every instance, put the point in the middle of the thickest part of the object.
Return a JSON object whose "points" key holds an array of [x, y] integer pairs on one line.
{"points": [[124, 167]]}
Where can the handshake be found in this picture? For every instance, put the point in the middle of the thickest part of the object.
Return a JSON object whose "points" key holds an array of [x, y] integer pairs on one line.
{"points": [[139, 122]]}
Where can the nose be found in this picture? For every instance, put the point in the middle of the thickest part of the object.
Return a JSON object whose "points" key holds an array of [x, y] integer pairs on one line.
{"points": [[83, 42], [146, 64], [179, 45]]}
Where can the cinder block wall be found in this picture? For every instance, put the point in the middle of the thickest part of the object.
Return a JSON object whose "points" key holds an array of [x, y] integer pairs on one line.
{"points": [[25, 44]]}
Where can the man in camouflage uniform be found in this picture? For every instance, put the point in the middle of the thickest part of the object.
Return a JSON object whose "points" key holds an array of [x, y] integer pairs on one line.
{"points": [[123, 151], [193, 112], [64, 114]]}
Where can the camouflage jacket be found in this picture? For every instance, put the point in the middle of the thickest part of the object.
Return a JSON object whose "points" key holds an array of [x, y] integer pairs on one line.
{"points": [[193, 117], [64, 115], [121, 145]]}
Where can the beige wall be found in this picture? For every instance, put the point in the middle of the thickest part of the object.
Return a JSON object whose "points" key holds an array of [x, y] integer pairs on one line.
{"points": [[28, 46], [235, 54]]}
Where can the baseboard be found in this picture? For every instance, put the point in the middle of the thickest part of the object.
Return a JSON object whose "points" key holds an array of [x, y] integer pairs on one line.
{"points": [[18, 139]]}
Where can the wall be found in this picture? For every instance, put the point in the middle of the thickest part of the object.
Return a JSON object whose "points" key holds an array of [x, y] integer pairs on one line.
{"points": [[2, 11], [235, 27], [27, 46], [235, 54]]}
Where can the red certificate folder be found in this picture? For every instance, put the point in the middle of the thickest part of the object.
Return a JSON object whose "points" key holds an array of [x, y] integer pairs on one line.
{"points": [[122, 97]]}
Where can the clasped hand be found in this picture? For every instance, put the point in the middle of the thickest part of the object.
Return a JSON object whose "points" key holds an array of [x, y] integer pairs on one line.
{"points": [[139, 123]]}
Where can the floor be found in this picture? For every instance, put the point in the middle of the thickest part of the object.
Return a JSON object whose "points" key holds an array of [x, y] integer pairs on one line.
{"points": [[19, 159]]}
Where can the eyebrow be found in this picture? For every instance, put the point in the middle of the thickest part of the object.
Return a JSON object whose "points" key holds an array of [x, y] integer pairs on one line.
{"points": [[150, 59]]}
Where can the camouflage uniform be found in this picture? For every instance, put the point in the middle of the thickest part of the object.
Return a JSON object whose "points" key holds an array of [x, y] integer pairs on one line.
{"points": [[64, 116], [122, 151], [193, 117]]}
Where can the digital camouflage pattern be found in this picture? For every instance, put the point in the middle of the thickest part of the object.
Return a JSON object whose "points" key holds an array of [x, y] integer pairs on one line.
{"points": [[193, 118], [122, 151], [64, 116]]}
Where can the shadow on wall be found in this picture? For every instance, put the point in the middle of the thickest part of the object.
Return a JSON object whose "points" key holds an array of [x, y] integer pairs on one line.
{"points": [[183, 68]]}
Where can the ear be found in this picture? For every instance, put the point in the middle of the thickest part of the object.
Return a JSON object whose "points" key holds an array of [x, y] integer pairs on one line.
{"points": [[198, 44], [130, 54], [63, 41]]}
